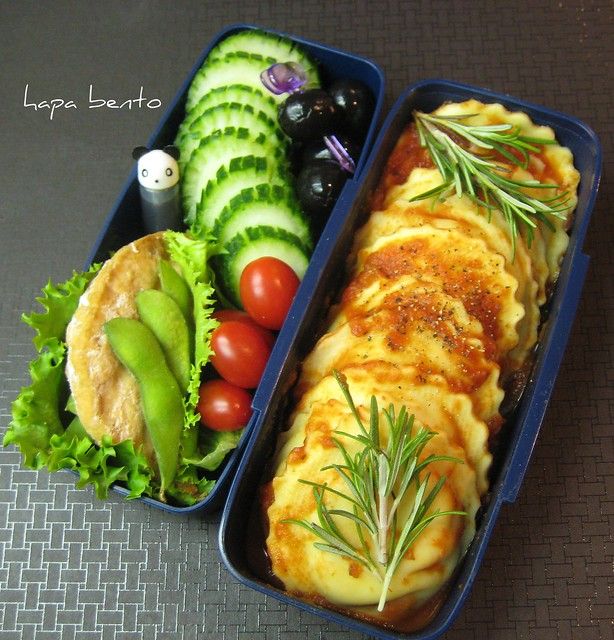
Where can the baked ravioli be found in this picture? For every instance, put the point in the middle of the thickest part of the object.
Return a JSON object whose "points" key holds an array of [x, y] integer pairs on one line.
{"points": [[440, 314]]}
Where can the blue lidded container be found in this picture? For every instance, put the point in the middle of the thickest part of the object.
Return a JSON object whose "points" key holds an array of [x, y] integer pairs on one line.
{"points": [[322, 284], [124, 222]]}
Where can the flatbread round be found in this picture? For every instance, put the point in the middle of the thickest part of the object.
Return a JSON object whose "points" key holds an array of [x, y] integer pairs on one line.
{"points": [[107, 396]]}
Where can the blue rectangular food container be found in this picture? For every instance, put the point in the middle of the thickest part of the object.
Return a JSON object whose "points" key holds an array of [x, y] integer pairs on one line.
{"points": [[321, 285], [124, 224]]}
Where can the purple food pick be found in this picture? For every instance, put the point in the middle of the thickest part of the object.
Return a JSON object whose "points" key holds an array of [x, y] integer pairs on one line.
{"points": [[284, 77], [340, 154]]}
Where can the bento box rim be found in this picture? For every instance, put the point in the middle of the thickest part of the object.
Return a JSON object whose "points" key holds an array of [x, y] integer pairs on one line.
{"points": [[501, 491], [215, 499]]}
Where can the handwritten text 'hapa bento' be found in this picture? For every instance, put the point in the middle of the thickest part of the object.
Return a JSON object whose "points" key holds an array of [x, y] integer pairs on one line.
{"points": [[57, 104]]}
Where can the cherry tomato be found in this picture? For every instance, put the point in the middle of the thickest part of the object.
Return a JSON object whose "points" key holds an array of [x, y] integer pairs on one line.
{"points": [[240, 353], [223, 315], [267, 288], [224, 406]]}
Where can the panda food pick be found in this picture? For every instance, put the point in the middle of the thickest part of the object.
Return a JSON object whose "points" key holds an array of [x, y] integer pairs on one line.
{"points": [[158, 175]]}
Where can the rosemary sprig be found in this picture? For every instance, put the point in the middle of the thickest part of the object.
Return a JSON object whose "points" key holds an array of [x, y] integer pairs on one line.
{"points": [[464, 156], [377, 479]]}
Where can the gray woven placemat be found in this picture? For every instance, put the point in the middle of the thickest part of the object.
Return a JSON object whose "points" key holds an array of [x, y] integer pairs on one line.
{"points": [[74, 567]]}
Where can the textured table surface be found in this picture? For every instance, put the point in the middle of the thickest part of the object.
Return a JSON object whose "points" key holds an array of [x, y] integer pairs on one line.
{"points": [[74, 567]]}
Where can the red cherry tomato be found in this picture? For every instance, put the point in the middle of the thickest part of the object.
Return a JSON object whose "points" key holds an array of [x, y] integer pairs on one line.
{"points": [[267, 288], [240, 353], [224, 406], [223, 315]]}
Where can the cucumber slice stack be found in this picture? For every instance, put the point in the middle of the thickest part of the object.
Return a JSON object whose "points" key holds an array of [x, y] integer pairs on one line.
{"points": [[236, 182]]}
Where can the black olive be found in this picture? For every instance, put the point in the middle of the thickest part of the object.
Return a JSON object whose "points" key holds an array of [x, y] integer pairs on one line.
{"points": [[356, 103], [308, 115], [317, 150], [318, 186]]}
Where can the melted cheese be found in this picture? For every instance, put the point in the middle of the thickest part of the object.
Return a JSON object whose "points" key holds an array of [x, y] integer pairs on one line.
{"points": [[430, 400], [553, 165], [461, 216], [460, 265]]}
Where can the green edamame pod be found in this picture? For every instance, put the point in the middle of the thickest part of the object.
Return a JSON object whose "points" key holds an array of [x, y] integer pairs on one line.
{"points": [[138, 350], [161, 314], [177, 288]]}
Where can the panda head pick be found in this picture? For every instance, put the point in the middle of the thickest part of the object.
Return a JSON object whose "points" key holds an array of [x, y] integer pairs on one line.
{"points": [[157, 169]]}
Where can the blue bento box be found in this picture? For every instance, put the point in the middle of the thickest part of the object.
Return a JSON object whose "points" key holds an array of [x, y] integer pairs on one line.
{"points": [[124, 223], [320, 286]]}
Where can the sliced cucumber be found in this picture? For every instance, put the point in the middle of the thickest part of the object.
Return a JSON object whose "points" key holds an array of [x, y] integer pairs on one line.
{"points": [[256, 242], [225, 115], [259, 99], [270, 45], [242, 173], [270, 205], [215, 153], [233, 68]]}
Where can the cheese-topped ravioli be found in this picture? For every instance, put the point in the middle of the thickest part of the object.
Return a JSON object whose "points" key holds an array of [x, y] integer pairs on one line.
{"points": [[441, 299], [309, 571], [553, 164], [419, 326], [461, 215], [430, 400], [461, 265]]}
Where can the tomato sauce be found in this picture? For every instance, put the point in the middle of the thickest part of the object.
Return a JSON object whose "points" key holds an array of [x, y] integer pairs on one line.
{"points": [[407, 155]]}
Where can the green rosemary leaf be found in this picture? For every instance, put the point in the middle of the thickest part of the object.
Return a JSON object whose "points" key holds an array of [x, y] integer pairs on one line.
{"points": [[431, 193], [333, 491], [340, 552], [374, 422], [436, 458], [346, 393], [463, 155], [342, 513]]}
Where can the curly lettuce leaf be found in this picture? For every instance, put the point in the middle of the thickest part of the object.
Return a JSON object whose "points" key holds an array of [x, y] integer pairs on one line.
{"points": [[59, 302], [35, 411], [202, 450], [191, 256], [37, 425], [190, 486], [217, 444], [100, 465]]}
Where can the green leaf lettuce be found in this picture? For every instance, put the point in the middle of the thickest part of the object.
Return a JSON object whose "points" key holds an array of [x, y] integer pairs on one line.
{"points": [[49, 436]]}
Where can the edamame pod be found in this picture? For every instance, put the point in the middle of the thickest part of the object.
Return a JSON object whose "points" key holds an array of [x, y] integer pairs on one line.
{"points": [[161, 314], [138, 350], [177, 288]]}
